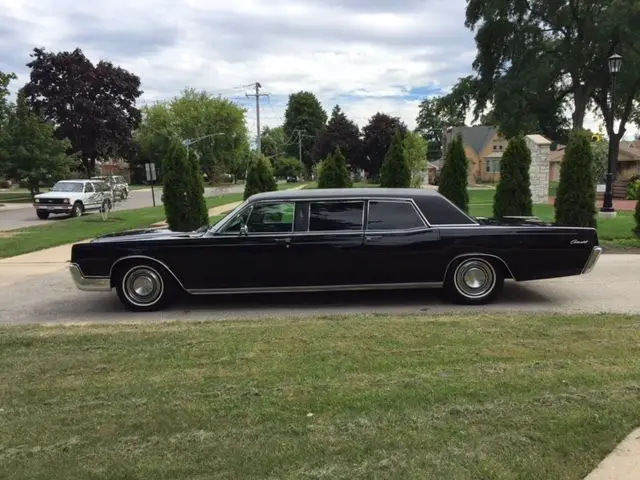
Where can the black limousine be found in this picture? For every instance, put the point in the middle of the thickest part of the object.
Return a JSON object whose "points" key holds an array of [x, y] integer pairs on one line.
{"points": [[334, 240]]}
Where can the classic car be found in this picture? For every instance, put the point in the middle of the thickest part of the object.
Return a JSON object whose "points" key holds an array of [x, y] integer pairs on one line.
{"points": [[334, 240], [73, 197]]}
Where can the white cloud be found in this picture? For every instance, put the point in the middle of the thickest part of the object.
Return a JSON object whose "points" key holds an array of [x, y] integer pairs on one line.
{"points": [[364, 54]]}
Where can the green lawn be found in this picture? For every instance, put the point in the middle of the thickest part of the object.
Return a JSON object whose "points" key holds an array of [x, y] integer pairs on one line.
{"points": [[58, 232], [18, 195], [411, 397]]}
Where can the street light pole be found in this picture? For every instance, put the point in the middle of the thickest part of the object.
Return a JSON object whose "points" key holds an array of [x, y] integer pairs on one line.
{"points": [[615, 64]]}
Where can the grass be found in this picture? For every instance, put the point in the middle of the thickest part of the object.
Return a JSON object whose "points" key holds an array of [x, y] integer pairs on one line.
{"points": [[406, 397], [62, 231]]}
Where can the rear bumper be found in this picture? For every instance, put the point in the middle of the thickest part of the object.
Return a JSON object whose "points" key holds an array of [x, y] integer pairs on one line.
{"points": [[89, 284], [592, 260]]}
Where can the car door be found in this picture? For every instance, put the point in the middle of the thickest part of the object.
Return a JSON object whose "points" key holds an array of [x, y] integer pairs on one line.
{"points": [[399, 247], [90, 197], [327, 244], [243, 260]]}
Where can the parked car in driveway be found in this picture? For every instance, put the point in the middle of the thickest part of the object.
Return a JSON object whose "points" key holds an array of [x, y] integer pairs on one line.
{"points": [[117, 183], [73, 197], [334, 240]]}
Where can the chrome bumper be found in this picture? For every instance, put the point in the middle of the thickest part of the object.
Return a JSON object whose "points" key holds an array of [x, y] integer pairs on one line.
{"points": [[89, 284], [592, 260]]}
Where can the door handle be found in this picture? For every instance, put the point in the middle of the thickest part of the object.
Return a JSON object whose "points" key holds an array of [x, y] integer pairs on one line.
{"points": [[372, 237]]}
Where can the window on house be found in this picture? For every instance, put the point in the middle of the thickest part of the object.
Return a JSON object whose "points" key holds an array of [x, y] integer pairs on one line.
{"points": [[493, 165]]}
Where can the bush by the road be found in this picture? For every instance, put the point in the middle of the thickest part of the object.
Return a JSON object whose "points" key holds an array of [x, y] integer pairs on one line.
{"points": [[453, 177], [183, 192], [333, 172], [395, 171], [513, 193], [636, 216], [575, 203], [260, 177]]}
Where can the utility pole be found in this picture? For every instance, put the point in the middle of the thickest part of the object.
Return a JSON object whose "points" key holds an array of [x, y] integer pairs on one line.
{"points": [[258, 95]]}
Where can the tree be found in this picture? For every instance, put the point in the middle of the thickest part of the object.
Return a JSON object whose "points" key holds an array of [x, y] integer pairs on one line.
{"points": [[453, 176], [273, 142], [183, 199], [576, 194], [600, 151], [340, 133], [378, 135], [395, 172], [513, 193], [91, 105], [5, 80], [415, 150], [259, 178], [636, 216], [31, 150], [304, 115], [286, 167], [333, 172], [434, 116]]}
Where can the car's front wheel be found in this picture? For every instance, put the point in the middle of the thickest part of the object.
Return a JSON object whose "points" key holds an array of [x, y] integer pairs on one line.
{"points": [[143, 287], [77, 209], [474, 280]]}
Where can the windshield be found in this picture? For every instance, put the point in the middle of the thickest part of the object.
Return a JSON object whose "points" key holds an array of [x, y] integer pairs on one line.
{"points": [[68, 187]]}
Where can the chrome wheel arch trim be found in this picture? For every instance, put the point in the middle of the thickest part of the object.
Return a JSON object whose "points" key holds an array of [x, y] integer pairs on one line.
{"points": [[148, 259], [476, 254]]}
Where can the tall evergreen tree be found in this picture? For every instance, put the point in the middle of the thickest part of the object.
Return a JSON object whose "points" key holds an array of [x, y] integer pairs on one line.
{"points": [[576, 195], [395, 172], [184, 204], [260, 177], [334, 172], [453, 177], [341, 133], [513, 193]]}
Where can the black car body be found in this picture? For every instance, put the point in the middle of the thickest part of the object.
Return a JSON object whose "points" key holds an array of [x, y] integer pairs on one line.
{"points": [[334, 239]]}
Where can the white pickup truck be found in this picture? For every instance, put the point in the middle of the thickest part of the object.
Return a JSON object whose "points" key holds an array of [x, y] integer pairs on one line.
{"points": [[73, 197]]}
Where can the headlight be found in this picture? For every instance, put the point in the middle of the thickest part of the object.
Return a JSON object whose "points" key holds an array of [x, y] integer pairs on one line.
{"points": [[66, 200], [37, 200]]}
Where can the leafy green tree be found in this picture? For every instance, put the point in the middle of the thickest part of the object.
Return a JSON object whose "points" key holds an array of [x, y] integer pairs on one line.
{"points": [[434, 116], [600, 159], [378, 135], [636, 216], [333, 172], [453, 176], [286, 167], [341, 133], [304, 115], [31, 149], [260, 177], [576, 194], [94, 106], [273, 142], [5, 80], [395, 172], [183, 199], [415, 150], [513, 193]]}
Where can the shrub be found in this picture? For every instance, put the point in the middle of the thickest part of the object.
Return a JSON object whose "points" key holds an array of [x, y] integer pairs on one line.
{"points": [[453, 176], [183, 191], [513, 193], [633, 188], [576, 195], [395, 171], [259, 178], [333, 172]]}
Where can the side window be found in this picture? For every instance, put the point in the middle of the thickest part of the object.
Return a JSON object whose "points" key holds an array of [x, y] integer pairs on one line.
{"points": [[336, 216], [271, 218], [88, 188], [385, 215]]}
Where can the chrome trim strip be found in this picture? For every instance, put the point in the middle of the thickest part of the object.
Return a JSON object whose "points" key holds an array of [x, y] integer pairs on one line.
{"points": [[477, 254], [88, 284], [315, 288], [592, 260], [145, 257]]}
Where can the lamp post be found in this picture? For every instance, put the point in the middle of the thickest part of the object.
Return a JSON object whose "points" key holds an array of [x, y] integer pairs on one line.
{"points": [[190, 141], [615, 64]]}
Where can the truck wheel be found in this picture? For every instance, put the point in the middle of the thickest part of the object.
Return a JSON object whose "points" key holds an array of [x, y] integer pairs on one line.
{"points": [[42, 215], [77, 209]]}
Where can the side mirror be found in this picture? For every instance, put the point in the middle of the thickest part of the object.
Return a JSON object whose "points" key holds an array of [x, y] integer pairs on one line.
{"points": [[244, 230]]}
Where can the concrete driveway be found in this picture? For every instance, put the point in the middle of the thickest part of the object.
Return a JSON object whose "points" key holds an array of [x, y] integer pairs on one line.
{"points": [[23, 215], [49, 296]]}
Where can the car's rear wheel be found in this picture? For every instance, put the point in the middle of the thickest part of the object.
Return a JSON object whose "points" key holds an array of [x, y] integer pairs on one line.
{"points": [[42, 215], [143, 287], [474, 280]]}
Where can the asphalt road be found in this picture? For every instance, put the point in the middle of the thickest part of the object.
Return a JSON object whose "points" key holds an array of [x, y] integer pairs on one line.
{"points": [[613, 286], [25, 216]]}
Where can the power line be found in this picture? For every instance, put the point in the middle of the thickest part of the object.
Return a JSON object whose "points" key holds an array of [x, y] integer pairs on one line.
{"points": [[257, 95]]}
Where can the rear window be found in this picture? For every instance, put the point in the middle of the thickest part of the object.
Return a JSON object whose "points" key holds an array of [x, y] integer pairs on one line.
{"points": [[388, 215], [439, 211]]}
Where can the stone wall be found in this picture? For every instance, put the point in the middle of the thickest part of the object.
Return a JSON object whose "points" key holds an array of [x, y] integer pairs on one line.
{"points": [[539, 169]]}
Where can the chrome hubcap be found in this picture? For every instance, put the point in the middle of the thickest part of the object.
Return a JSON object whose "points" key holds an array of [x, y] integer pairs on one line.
{"points": [[475, 278], [143, 286]]}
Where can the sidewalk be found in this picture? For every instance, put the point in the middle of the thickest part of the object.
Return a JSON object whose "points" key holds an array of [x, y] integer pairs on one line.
{"points": [[623, 463]]}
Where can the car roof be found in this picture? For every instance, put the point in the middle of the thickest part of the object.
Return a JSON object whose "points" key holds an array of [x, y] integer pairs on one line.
{"points": [[345, 193], [80, 180]]}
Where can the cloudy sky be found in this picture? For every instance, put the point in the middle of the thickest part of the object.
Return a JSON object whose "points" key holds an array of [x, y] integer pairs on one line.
{"points": [[366, 55]]}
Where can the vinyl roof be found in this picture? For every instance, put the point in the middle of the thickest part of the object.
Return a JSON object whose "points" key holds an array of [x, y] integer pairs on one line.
{"points": [[346, 193]]}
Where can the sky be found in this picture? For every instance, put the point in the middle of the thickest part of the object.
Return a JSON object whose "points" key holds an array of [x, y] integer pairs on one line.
{"points": [[366, 55]]}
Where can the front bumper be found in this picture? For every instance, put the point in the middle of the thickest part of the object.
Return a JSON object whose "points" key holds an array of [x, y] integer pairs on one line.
{"points": [[89, 284], [51, 208], [592, 260]]}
